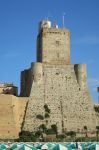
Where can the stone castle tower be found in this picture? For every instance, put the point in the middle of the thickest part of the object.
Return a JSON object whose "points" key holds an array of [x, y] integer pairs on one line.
{"points": [[54, 82]]}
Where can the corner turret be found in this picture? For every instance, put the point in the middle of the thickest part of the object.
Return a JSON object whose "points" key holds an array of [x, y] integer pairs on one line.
{"points": [[80, 71]]}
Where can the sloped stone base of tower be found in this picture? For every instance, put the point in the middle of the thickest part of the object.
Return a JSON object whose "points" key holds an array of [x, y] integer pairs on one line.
{"points": [[63, 88]]}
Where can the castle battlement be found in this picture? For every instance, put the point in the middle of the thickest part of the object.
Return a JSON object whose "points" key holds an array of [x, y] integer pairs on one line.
{"points": [[8, 88]]}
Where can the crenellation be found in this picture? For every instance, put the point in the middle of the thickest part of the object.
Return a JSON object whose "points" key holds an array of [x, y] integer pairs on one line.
{"points": [[8, 88]]}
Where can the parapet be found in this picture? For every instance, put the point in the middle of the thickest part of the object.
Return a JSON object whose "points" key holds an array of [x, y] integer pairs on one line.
{"points": [[80, 71], [8, 88], [25, 83]]}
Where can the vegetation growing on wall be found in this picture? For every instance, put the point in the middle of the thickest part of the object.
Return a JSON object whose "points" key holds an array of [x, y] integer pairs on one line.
{"points": [[25, 136], [54, 128], [46, 108], [47, 115], [39, 117], [42, 133], [96, 108]]}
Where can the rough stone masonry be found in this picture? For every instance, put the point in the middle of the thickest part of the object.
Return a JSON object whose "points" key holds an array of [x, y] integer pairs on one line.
{"points": [[54, 82]]}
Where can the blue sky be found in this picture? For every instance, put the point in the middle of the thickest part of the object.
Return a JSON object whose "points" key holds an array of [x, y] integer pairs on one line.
{"points": [[19, 27]]}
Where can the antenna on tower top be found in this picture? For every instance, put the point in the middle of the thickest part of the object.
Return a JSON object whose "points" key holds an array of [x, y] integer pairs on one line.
{"points": [[63, 19], [48, 16]]}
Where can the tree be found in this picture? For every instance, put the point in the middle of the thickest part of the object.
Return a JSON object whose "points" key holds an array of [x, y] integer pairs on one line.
{"points": [[72, 134], [26, 136], [85, 129], [54, 127], [39, 117], [43, 128]]}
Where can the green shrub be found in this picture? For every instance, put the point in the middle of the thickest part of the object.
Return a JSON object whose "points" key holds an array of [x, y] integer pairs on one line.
{"points": [[47, 115], [54, 127], [50, 131], [40, 117], [38, 133], [61, 136], [26, 136], [46, 108], [96, 108], [71, 133], [43, 128]]}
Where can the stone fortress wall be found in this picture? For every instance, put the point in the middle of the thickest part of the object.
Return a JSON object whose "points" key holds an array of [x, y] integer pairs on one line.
{"points": [[12, 110], [52, 80], [65, 94]]}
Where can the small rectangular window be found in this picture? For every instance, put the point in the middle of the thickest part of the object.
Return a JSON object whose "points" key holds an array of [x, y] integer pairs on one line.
{"points": [[57, 43]]}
